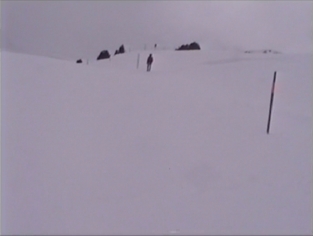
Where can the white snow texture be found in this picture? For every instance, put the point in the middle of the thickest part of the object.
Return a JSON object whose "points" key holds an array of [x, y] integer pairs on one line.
{"points": [[107, 148]]}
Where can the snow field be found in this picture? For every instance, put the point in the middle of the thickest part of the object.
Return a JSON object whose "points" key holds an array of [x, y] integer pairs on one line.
{"points": [[105, 148]]}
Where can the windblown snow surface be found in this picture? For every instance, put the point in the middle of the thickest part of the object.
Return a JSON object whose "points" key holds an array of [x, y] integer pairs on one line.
{"points": [[107, 148]]}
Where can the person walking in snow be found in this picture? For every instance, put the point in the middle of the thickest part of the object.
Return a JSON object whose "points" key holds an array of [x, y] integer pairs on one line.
{"points": [[149, 62]]}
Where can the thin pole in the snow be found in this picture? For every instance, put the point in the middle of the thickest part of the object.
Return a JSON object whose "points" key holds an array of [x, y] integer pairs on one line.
{"points": [[271, 104], [138, 57]]}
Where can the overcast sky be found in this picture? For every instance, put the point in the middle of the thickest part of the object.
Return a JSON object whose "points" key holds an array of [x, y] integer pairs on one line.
{"points": [[75, 29]]}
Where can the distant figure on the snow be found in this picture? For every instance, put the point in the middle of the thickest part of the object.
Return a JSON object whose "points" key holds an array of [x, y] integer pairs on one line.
{"points": [[149, 62]]}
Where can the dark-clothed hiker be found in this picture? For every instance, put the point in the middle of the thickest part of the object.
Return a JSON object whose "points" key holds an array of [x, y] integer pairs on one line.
{"points": [[149, 62]]}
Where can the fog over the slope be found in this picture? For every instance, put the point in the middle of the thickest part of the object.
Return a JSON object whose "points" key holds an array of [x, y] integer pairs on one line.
{"points": [[73, 29]]}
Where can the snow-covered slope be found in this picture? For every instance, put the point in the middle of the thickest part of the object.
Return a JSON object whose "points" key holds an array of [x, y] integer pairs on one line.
{"points": [[107, 148]]}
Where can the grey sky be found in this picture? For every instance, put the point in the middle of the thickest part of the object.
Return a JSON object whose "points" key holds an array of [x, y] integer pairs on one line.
{"points": [[73, 29]]}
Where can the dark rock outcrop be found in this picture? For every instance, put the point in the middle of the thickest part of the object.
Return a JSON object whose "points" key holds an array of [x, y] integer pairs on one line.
{"points": [[79, 61], [120, 50], [103, 55], [192, 46]]}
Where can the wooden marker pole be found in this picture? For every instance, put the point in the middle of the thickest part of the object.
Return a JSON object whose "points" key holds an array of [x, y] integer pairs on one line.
{"points": [[138, 57], [271, 104]]}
